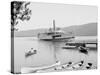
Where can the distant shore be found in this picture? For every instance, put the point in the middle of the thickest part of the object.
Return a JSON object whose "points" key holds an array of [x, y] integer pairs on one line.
{"points": [[89, 29]]}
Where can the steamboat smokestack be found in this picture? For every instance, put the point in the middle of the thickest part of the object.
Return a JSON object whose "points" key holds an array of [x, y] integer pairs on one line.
{"points": [[54, 25]]}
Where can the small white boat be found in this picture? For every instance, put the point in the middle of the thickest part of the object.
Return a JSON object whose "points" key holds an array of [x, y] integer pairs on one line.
{"points": [[30, 52], [83, 49]]}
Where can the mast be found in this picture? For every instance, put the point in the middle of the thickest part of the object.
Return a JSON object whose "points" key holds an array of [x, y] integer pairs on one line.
{"points": [[54, 29]]}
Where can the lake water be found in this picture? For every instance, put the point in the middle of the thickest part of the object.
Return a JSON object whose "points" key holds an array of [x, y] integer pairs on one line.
{"points": [[47, 53]]}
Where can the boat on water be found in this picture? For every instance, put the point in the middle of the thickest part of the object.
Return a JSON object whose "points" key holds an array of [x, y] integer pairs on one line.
{"points": [[57, 66], [83, 49], [54, 34], [30, 52]]}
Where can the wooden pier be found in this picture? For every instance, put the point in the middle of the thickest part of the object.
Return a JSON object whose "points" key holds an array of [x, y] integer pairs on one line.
{"points": [[81, 43]]}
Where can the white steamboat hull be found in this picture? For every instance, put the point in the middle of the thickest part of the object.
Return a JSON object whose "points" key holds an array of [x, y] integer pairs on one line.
{"points": [[51, 37]]}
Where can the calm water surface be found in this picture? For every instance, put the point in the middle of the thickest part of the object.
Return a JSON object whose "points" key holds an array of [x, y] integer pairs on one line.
{"points": [[46, 51]]}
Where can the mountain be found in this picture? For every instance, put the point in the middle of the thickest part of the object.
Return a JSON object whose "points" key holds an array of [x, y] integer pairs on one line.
{"points": [[89, 29], [29, 33]]}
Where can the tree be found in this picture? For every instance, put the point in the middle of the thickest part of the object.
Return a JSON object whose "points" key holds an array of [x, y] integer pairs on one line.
{"points": [[19, 12]]}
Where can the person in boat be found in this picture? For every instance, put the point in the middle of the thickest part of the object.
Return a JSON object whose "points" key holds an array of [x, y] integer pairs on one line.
{"points": [[83, 49], [89, 66], [66, 65], [78, 65], [31, 52], [81, 63], [57, 64]]}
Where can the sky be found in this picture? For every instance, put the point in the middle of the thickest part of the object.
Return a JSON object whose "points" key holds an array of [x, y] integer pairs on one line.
{"points": [[64, 15]]}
